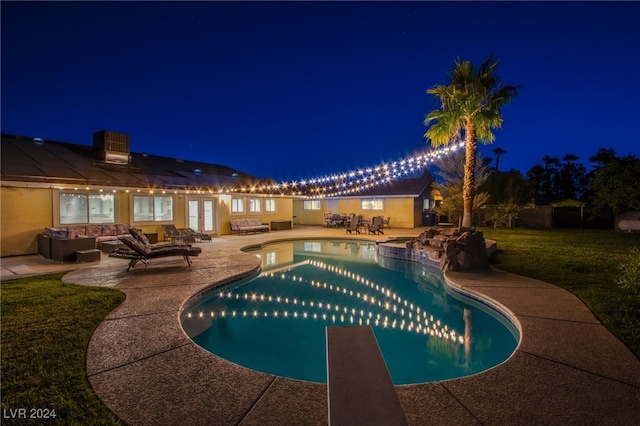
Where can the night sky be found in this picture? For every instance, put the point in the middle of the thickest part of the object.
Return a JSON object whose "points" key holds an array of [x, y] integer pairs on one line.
{"points": [[295, 90]]}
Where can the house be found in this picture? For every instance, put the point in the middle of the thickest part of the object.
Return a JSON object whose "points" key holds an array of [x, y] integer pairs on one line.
{"points": [[405, 201], [55, 184], [47, 183]]}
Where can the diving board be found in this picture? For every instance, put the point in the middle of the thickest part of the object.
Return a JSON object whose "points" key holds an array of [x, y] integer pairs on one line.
{"points": [[360, 390]]}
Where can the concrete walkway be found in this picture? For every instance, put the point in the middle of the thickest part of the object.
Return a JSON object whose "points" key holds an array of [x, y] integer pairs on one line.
{"points": [[568, 369]]}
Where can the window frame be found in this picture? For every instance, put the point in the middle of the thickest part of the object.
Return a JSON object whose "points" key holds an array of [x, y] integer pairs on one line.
{"points": [[153, 220], [269, 201], [57, 220], [372, 204], [312, 205], [253, 203], [234, 201]]}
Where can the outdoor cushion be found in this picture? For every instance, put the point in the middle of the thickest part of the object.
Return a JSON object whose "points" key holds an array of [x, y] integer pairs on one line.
{"points": [[108, 230], [139, 235], [135, 245], [94, 230], [77, 231], [122, 228], [57, 232]]}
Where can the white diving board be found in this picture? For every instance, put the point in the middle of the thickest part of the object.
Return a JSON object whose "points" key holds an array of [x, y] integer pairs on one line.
{"points": [[360, 390]]}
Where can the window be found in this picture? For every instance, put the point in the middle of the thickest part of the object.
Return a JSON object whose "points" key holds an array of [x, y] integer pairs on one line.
{"points": [[271, 258], [270, 205], [151, 208], [372, 204], [426, 204], [237, 205], [312, 205], [254, 205], [86, 207], [313, 246]]}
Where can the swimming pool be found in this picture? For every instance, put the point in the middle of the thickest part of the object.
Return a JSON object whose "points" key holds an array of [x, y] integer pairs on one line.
{"points": [[275, 321]]}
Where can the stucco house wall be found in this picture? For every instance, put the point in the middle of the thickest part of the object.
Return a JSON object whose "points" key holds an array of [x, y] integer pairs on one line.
{"points": [[25, 212]]}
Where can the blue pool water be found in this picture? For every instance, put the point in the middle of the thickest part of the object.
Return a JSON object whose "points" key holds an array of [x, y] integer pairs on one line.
{"points": [[275, 321]]}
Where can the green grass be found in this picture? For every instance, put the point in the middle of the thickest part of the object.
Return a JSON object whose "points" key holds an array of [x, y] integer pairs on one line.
{"points": [[47, 324], [585, 262], [46, 327]]}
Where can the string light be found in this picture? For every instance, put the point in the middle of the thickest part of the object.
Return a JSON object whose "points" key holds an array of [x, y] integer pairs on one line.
{"points": [[408, 318], [336, 184]]}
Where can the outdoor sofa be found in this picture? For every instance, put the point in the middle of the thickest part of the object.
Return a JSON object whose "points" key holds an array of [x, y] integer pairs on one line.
{"points": [[248, 225], [62, 243]]}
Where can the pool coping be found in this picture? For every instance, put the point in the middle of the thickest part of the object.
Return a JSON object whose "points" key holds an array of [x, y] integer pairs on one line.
{"points": [[567, 368]]}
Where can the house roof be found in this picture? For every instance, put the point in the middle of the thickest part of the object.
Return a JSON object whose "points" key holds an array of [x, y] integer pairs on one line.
{"points": [[569, 202], [64, 163], [25, 159]]}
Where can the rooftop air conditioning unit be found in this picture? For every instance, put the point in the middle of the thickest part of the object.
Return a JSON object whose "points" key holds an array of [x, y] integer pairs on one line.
{"points": [[112, 147]]}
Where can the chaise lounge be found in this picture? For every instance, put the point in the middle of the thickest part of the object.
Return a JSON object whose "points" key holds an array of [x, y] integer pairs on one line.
{"points": [[186, 235], [139, 250]]}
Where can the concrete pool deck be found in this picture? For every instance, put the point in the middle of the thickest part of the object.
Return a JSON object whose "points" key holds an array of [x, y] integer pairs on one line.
{"points": [[568, 368]]}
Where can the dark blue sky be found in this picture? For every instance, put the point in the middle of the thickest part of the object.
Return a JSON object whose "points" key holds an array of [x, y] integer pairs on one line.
{"points": [[295, 90]]}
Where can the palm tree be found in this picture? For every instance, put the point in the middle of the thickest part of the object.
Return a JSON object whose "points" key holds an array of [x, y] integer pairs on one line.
{"points": [[498, 152], [470, 107], [550, 168]]}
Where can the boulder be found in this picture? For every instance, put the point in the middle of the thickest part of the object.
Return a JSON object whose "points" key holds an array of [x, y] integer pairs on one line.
{"points": [[458, 249]]}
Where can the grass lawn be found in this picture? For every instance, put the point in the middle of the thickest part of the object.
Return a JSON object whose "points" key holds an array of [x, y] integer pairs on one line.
{"points": [[585, 262], [47, 324], [46, 327]]}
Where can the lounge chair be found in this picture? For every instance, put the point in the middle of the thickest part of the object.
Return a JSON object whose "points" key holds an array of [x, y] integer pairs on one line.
{"points": [[142, 238], [138, 251], [199, 236], [174, 234], [353, 224], [376, 225]]}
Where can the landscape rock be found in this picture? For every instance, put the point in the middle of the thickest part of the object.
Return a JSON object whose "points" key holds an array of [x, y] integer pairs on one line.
{"points": [[456, 249]]}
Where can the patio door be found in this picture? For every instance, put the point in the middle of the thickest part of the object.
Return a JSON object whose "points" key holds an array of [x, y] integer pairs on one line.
{"points": [[201, 214]]}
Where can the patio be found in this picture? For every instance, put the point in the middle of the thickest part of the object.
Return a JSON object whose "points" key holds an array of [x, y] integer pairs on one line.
{"points": [[568, 368]]}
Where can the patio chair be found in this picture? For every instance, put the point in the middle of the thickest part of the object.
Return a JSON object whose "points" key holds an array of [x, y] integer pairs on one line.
{"points": [[139, 252], [138, 235], [376, 225], [328, 219], [199, 236], [173, 234], [386, 222], [353, 224]]}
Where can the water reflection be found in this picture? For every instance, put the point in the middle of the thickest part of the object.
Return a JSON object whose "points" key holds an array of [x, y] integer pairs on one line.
{"points": [[422, 331]]}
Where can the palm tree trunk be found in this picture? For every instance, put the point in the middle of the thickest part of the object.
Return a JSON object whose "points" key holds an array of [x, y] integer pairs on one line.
{"points": [[471, 147]]}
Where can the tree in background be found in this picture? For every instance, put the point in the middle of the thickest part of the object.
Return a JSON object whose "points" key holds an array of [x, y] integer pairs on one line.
{"points": [[558, 180], [550, 175], [602, 157], [572, 178], [450, 182], [470, 108], [535, 175], [508, 186], [508, 193], [498, 152], [614, 182]]}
